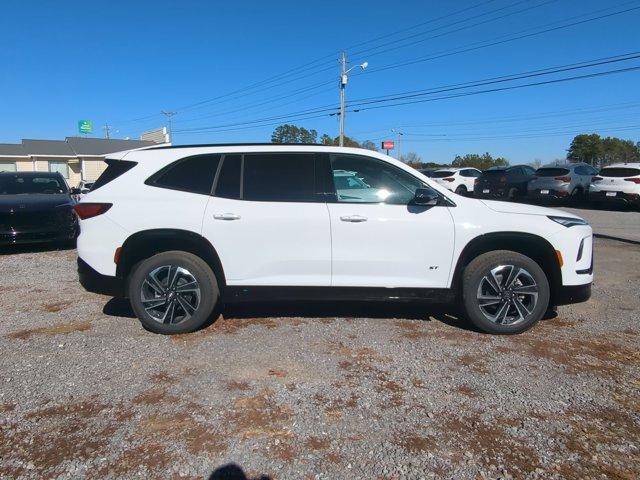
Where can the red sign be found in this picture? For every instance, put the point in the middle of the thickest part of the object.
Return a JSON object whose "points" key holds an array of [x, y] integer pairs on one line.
{"points": [[388, 144]]}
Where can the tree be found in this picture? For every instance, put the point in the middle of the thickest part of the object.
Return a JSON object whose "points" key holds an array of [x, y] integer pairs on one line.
{"points": [[411, 158], [595, 150], [585, 148], [481, 162], [293, 134], [369, 145]]}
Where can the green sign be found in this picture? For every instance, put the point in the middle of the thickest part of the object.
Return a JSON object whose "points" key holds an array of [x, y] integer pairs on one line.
{"points": [[85, 126]]}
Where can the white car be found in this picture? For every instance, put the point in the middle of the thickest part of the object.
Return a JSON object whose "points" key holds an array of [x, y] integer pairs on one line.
{"points": [[459, 180], [619, 182], [181, 231]]}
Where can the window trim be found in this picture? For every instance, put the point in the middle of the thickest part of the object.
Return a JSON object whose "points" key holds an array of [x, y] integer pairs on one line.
{"points": [[151, 181], [59, 162]]}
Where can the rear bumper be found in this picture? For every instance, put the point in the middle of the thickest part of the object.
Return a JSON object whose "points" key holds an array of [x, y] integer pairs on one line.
{"points": [[493, 192], [620, 197], [553, 194], [573, 294], [95, 282]]}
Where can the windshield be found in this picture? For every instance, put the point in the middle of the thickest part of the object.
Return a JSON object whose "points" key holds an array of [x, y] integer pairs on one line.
{"points": [[30, 184], [442, 174], [551, 172]]}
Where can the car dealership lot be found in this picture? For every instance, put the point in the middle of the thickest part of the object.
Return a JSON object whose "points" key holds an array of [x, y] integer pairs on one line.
{"points": [[315, 391]]}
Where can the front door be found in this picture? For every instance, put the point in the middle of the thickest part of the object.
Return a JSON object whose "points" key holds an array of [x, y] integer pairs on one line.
{"points": [[379, 239], [267, 223]]}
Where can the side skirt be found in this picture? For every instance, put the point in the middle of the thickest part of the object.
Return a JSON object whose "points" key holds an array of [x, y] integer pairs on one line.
{"points": [[233, 294]]}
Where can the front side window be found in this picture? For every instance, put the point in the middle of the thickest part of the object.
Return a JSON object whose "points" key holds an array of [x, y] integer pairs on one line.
{"points": [[191, 174], [279, 177], [60, 167], [360, 179]]}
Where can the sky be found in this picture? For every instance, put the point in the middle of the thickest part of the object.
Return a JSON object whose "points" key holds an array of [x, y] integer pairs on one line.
{"points": [[233, 71]]}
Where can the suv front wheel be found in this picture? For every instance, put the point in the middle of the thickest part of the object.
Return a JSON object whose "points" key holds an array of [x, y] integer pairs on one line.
{"points": [[173, 292], [504, 292]]}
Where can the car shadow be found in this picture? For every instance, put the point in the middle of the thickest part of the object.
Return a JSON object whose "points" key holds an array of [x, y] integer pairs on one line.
{"points": [[232, 471], [415, 310], [37, 247]]}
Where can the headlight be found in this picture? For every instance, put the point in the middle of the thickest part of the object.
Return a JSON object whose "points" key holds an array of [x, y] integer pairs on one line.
{"points": [[568, 221]]}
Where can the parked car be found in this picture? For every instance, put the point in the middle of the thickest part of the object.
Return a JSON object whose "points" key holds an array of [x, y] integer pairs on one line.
{"points": [[85, 187], [619, 182], [427, 172], [569, 181], [509, 183], [209, 225], [36, 207], [459, 180]]}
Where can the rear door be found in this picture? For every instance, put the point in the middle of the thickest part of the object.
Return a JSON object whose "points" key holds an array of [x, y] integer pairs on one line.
{"points": [[268, 221], [379, 239]]}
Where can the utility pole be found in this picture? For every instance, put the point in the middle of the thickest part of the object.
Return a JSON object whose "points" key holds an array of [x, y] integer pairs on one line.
{"points": [[399, 134], [344, 77], [343, 84], [107, 131], [169, 115]]}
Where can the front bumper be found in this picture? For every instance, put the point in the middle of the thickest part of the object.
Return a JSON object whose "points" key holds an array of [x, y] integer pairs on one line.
{"points": [[95, 282], [572, 294]]}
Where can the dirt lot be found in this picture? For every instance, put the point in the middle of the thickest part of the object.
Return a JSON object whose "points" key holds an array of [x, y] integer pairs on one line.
{"points": [[324, 391]]}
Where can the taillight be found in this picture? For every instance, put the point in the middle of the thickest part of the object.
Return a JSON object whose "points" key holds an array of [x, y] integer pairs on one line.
{"points": [[596, 179], [564, 179], [88, 210], [448, 179], [634, 180]]}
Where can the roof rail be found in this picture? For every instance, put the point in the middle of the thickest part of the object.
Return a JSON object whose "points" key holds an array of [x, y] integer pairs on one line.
{"points": [[239, 145]]}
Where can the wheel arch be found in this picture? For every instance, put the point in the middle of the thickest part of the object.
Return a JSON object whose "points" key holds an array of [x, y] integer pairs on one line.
{"points": [[533, 246], [146, 243]]}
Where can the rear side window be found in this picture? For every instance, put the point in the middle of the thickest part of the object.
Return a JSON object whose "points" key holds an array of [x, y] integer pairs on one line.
{"points": [[552, 172], [279, 177], [228, 184], [619, 172], [115, 168], [191, 174]]}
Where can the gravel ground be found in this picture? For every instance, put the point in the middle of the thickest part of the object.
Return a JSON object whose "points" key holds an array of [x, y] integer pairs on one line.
{"points": [[316, 391]]}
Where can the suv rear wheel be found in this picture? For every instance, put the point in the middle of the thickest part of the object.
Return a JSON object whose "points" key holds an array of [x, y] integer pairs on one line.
{"points": [[504, 292], [173, 292]]}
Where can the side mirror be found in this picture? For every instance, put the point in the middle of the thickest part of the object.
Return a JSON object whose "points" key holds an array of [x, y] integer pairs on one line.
{"points": [[74, 191], [425, 197]]}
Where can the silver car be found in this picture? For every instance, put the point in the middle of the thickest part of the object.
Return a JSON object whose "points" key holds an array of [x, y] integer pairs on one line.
{"points": [[567, 181]]}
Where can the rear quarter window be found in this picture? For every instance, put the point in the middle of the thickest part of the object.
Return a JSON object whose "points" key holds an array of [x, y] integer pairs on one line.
{"points": [[192, 174], [115, 168], [442, 174]]}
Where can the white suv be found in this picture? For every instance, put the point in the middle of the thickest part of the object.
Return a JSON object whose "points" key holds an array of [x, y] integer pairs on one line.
{"points": [[459, 180], [180, 231], [617, 183]]}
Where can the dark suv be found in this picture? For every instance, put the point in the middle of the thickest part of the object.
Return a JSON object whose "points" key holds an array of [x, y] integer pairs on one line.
{"points": [[504, 182], [36, 207]]}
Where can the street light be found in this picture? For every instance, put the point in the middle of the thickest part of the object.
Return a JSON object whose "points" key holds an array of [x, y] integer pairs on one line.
{"points": [[399, 134], [344, 77]]}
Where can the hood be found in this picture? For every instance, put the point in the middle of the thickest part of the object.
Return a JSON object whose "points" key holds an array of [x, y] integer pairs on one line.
{"points": [[523, 209], [33, 203]]}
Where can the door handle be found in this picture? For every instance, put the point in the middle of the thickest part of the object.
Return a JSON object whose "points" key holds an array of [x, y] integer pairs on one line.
{"points": [[353, 218], [226, 216]]}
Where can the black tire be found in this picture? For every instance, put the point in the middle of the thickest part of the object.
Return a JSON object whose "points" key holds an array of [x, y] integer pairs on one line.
{"points": [[577, 197], [461, 190], [474, 278], [205, 301]]}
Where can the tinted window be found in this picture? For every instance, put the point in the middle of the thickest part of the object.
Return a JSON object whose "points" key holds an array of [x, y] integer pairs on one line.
{"points": [[580, 170], [361, 179], [494, 173], [552, 172], [619, 172], [115, 168], [192, 174], [470, 173], [17, 184], [228, 184], [442, 174], [279, 177], [529, 171]]}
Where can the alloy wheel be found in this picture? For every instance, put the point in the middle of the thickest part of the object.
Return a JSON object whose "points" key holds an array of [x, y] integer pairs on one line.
{"points": [[170, 294], [507, 295]]}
